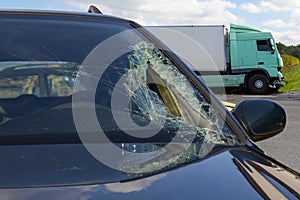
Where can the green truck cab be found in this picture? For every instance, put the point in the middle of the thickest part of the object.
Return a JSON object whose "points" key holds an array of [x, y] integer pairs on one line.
{"points": [[254, 54]]}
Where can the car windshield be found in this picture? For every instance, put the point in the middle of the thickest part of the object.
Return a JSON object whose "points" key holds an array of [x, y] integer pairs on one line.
{"points": [[123, 86]]}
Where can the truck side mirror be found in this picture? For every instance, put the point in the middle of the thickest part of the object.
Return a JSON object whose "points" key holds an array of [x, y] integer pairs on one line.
{"points": [[261, 118], [272, 44]]}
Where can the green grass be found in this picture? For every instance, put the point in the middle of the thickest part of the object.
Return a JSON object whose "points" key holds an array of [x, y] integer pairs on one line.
{"points": [[291, 75]]}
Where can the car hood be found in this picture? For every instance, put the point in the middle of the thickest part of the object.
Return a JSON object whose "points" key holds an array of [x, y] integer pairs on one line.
{"points": [[235, 173]]}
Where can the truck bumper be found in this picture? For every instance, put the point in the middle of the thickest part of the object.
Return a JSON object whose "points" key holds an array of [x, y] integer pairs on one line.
{"points": [[278, 81]]}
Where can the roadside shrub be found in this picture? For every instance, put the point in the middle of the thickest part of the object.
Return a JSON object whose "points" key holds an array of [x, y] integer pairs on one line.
{"points": [[290, 60]]}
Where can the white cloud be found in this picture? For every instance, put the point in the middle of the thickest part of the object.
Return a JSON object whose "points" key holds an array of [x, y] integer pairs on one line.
{"points": [[278, 23], [270, 6], [250, 7], [133, 186], [263, 7], [166, 12], [287, 4], [287, 37]]}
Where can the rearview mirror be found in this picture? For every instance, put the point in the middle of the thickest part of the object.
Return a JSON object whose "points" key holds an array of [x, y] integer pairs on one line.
{"points": [[261, 118]]}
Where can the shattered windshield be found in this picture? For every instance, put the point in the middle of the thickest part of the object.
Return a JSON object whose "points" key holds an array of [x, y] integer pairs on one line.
{"points": [[161, 91], [142, 102], [150, 109]]}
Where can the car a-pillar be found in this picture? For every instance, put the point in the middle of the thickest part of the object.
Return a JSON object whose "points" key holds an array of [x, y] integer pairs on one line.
{"points": [[257, 83]]}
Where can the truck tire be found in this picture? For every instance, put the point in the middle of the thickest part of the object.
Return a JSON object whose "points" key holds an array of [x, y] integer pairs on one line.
{"points": [[258, 84]]}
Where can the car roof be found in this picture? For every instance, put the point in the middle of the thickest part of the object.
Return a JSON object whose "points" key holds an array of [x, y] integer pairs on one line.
{"points": [[75, 14]]}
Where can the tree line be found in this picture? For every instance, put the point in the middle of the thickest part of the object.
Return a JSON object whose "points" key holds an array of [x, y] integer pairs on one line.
{"points": [[289, 50]]}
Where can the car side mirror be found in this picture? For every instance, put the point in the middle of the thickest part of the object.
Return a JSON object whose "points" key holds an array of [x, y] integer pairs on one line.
{"points": [[261, 118]]}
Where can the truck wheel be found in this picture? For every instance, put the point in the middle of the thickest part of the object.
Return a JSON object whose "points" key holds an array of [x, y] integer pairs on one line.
{"points": [[258, 84]]}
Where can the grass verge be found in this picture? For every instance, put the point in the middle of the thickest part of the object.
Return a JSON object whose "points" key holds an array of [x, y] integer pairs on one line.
{"points": [[291, 78]]}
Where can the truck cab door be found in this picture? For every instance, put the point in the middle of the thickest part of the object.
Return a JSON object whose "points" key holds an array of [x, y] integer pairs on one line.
{"points": [[248, 55], [243, 54]]}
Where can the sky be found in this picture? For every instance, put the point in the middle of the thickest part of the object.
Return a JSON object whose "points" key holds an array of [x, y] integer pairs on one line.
{"points": [[280, 17]]}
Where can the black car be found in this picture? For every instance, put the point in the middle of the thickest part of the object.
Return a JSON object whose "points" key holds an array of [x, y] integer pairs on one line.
{"points": [[95, 107]]}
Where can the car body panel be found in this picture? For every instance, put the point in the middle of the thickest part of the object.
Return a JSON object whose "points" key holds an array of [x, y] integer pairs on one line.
{"points": [[243, 174]]}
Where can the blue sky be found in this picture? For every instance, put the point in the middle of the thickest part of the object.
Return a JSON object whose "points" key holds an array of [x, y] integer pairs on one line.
{"points": [[281, 17]]}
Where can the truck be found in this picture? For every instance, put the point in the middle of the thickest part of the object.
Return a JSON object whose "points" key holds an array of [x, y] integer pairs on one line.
{"points": [[241, 57]]}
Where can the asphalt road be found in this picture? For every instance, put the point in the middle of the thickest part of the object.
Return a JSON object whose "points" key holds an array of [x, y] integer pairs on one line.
{"points": [[285, 146]]}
